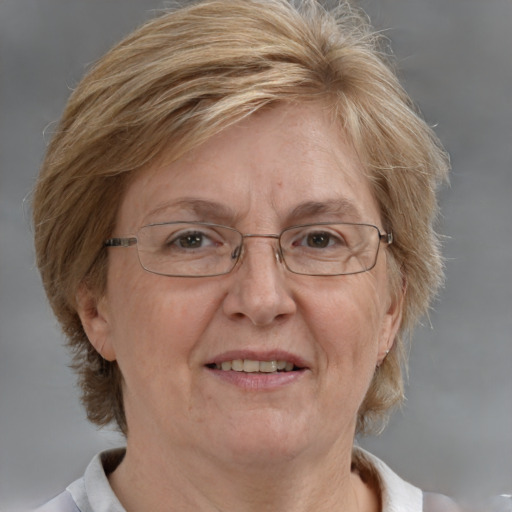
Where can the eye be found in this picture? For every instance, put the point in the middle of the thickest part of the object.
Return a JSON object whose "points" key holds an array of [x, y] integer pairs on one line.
{"points": [[192, 240], [319, 240]]}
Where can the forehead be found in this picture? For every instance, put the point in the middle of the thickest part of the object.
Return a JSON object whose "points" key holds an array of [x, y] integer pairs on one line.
{"points": [[284, 164]]}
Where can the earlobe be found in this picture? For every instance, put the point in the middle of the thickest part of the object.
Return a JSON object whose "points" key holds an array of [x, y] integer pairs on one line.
{"points": [[93, 313]]}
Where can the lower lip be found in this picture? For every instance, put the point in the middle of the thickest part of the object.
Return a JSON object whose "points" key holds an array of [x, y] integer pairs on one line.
{"points": [[258, 381]]}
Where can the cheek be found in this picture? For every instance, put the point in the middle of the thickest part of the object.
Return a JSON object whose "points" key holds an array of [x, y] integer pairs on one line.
{"points": [[156, 319], [346, 318], [345, 323]]}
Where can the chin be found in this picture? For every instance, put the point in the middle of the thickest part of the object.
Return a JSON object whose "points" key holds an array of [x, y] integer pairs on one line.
{"points": [[264, 437]]}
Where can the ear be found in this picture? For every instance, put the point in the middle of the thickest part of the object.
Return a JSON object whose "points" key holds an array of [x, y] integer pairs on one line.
{"points": [[391, 324], [93, 313]]}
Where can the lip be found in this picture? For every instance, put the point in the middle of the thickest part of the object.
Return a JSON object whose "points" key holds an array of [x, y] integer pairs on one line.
{"points": [[258, 381]]}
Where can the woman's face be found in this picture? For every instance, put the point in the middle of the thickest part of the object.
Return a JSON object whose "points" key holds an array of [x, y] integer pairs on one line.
{"points": [[284, 166]]}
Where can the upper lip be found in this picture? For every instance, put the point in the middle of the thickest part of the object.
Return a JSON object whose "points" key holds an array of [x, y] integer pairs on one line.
{"points": [[255, 355]]}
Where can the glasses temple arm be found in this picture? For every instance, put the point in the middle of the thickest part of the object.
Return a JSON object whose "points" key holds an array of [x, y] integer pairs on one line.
{"points": [[120, 242]]}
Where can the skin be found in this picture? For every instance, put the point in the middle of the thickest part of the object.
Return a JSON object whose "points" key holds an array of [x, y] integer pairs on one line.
{"points": [[197, 440]]}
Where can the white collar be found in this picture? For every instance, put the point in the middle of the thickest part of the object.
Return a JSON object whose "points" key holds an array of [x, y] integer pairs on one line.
{"points": [[397, 494], [93, 493]]}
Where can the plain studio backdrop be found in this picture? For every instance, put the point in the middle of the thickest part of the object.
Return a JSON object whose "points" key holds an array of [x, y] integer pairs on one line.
{"points": [[454, 433]]}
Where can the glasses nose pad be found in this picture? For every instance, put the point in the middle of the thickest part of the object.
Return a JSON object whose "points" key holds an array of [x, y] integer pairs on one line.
{"points": [[237, 251], [279, 255]]}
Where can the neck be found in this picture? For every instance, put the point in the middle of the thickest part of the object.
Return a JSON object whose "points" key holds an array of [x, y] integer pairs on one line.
{"points": [[172, 482]]}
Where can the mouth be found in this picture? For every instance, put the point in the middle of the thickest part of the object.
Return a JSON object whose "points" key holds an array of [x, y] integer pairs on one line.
{"points": [[255, 366], [258, 371]]}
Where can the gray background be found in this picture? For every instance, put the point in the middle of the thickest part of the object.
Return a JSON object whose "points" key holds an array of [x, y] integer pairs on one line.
{"points": [[455, 432]]}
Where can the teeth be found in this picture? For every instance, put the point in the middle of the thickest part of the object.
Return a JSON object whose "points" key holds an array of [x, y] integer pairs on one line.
{"points": [[237, 365], [252, 366], [281, 365], [226, 366], [267, 366]]}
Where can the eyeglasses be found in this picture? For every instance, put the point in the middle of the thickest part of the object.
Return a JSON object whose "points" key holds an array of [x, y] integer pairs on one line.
{"points": [[202, 249]]}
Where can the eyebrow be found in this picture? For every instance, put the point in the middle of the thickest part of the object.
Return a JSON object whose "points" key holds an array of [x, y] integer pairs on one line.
{"points": [[203, 210], [338, 207]]}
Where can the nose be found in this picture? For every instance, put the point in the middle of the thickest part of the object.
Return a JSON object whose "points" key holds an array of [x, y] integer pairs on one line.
{"points": [[258, 289]]}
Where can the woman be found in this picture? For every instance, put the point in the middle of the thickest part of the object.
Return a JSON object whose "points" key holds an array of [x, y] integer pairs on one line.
{"points": [[234, 227]]}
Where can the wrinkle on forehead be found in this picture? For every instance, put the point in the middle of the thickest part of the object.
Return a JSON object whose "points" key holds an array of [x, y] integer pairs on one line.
{"points": [[281, 166]]}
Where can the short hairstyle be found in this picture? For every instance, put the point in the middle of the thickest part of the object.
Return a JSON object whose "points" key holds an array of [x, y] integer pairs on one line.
{"points": [[188, 74]]}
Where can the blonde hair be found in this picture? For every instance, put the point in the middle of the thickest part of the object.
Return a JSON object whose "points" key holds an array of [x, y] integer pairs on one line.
{"points": [[185, 76]]}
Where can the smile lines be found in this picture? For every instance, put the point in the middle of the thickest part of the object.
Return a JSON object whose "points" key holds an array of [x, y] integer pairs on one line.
{"points": [[253, 366]]}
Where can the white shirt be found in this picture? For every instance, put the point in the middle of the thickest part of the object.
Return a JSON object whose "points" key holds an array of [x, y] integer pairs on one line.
{"points": [[92, 492]]}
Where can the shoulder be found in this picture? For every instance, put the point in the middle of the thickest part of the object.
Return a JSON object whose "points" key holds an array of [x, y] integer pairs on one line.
{"points": [[92, 491], [64, 502], [397, 495], [433, 502]]}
